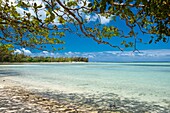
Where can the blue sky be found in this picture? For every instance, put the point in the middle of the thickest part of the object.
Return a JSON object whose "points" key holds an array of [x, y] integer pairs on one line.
{"points": [[78, 44], [85, 47]]}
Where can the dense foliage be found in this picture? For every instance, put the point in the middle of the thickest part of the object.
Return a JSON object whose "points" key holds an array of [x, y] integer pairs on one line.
{"points": [[5, 52], [9, 57], [35, 24]]}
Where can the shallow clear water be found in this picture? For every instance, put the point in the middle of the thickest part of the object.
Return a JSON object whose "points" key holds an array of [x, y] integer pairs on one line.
{"points": [[142, 81]]}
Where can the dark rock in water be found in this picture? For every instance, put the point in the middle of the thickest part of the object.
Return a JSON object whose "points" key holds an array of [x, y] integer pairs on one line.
{"points": [[111, 105], [88, 101]]}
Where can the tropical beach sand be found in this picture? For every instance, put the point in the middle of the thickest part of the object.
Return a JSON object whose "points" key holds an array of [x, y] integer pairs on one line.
{"points": [[17, 99]]}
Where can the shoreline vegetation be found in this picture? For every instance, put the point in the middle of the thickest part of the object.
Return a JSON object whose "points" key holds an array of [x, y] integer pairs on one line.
{"points": [[16, 98], [21, 58]]}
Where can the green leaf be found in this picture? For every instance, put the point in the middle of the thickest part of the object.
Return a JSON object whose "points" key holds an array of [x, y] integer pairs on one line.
{"points": [[52, 17], [131, 44], [123, 42], [152, 37], [131, 33], [90, 5], [150, 41], [140, 40], [61, 20], [164, 39], [126, 45]]}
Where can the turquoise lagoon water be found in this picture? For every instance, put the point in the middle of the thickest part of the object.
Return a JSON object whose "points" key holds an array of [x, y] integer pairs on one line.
{"points": [[141, 81]]}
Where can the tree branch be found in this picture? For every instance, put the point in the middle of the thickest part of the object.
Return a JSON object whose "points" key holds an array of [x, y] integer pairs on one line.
{"points": [[83, 31]]}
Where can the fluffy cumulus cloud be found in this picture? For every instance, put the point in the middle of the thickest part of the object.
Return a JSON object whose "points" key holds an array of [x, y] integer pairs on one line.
{"points": [[17, 51], [104, 20], [100, 18], [23, 50], [27, 52], [45, 52]]}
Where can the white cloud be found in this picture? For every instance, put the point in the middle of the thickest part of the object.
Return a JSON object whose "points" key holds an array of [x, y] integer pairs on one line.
{"points": [[52, 54], [23, 50], [102, 19], [26, 52], [17, 51], [91, 17], [45, 52]]}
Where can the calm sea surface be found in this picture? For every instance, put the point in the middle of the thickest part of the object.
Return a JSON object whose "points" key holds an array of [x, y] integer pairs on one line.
{"points": [[142, 81]]}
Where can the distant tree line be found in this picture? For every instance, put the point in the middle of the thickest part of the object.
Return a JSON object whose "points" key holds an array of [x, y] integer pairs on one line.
{"points": [[25, 58], [7, 55]]}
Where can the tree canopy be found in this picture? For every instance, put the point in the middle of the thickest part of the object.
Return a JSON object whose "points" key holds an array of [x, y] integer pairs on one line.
{"points": [[37, 23]]}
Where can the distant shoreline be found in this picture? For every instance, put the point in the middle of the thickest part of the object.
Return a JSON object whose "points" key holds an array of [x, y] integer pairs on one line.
{"points": [[27, 63], [131, 61], [18, 63], [93, 62]]}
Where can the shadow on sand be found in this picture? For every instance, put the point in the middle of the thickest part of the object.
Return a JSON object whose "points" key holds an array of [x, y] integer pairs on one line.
{"points": [[105, 102]]}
